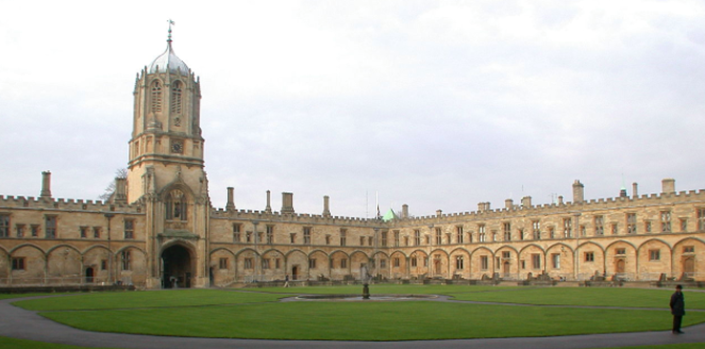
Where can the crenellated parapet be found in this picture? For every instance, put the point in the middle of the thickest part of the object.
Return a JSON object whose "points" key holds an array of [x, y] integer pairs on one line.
{"points": [[296, 218], [72, 205]]}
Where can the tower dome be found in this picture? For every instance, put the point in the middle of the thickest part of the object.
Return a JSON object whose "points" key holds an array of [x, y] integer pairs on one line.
{"points": [[168, 61]]}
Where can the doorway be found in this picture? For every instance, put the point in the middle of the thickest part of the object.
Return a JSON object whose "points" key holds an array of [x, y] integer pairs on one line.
{"points": [[295, 272], [505, 269], [619, 266], [689, 267], [176, 272], [89, 275]]}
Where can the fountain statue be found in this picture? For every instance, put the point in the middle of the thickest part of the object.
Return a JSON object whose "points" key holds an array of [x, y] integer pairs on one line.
{"points": [[365, 277]]}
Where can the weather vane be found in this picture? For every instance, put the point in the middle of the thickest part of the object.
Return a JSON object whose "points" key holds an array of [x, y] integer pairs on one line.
{"points": [[170, 24]]}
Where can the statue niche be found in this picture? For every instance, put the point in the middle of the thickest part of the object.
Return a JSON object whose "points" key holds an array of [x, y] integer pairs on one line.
{"points": [[176, 206]]}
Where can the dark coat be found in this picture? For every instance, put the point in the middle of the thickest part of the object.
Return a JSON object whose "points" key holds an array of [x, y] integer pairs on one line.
{"points": [[677, 304]]}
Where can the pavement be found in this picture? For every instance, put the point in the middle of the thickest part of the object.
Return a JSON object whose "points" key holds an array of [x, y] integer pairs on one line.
{"points": [[19, 323]]}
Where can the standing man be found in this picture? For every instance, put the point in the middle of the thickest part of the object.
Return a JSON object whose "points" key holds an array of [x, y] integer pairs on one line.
{"points": [[677, 309]]}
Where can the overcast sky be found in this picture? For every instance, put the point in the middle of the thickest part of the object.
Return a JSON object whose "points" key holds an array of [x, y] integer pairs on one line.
{"points": [[438, 105]]}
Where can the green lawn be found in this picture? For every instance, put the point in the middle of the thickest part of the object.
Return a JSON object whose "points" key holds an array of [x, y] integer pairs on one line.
{"points": [[254, 313]]}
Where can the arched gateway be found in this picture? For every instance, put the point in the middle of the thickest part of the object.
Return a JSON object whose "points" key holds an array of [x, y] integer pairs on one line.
{"points": [[177, 267]]}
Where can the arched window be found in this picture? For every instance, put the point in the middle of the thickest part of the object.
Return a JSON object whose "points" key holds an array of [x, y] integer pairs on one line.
{"points": [[156, 96], [176, 97], [176, 206]]}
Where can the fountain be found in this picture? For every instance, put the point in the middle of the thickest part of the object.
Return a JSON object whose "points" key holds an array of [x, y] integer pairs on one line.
{"points": [[365, 277]]}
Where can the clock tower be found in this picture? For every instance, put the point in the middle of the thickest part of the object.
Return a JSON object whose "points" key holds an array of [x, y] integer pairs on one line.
{"points": [[166, 171]]}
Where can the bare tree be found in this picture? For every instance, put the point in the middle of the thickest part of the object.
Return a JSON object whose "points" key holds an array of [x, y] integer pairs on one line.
{"points": [[110, 189]]}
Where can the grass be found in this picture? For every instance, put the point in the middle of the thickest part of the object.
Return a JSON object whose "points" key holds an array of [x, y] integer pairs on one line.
{"points": [[250, 314]]}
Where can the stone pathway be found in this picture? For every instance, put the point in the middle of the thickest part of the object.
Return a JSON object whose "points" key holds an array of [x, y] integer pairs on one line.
{"points": [[19, 323]]}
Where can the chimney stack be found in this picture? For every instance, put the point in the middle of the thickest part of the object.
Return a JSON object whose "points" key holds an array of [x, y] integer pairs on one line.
{"points": [[578, 192], [560, 199], [635, 191], [404, 211], [509, 204], [668, 186], [326, 206], [120, 190], [46, 185], [288, 203], [268, 209], [526, 201], [230, 206]]}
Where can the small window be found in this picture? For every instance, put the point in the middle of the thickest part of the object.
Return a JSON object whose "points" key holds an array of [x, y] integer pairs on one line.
{"points": [[96, 232], [396, 262], [126, 262], [312, 263], [414, 261], [237, 228], [688, 249], [459, 262], [654, 255], [536, 261], [20, 230], [104, 264], [248, 236], [343, 263], [506, 254], [265, 263], [84, 232], [589, 256], [18, 263], [382, 263], [4, 226], [620, 251], [50, 226], [248, 263], [223, 263], [484, 262], [34, 230], [129, 229], [307, 235], [556, 260]]}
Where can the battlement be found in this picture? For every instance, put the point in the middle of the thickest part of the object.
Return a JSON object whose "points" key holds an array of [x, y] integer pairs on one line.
{"points": [[302, 218], [30, 202]]}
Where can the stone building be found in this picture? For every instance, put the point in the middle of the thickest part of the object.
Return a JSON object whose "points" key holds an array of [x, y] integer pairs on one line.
{"points": [[159, 229]]}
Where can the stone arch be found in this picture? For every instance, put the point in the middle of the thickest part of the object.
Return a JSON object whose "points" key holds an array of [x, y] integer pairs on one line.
{"points": [[64, 265], [439, 264], [560, 261], [222, 268], [532, 261], [621, 260], [398, 265], [508, 267], [418, 264], [99, 258], [339, 265], [459, 260], [685, 258], [318, 265], [590, 258], [357, 260], [481, 262], [4, 266], [34, 260], [246, 264], [131, 266], [297, 265], [653, 259]]}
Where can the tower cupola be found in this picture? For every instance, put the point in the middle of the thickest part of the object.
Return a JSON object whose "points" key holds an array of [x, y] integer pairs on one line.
{"points": [[168, 61]]}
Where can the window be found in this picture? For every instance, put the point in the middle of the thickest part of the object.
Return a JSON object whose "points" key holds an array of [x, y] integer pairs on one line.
{"points": [[688, 249], [277, 263], [631, 223], [567, 227], [654, 255], [18, 263], [382, 263], [417, 237], [104, 264], [248, 236], [343, 263], [599, 225], [35, 230], [236, 232], [428, 239], [249, 263], [307, 235], [292, 238], [50, 227], [551, 234], [396, 238], [425, 261], [362, 241], [614, 228], [312, 263], [156, 96], [125, 256], [176, 97], [521, 234], [96, 232], [129, 229], [620, 251], [406, 241], [484, 263], [666, 221], [414, 261], [20, 230], [459, 262], [84, 232], [343, 239], [556, 261], [448, 238], [481, 233], [384, 239], [536, 261], [327, 239], [265, 263], [647, 226], [583, 230], [396, 262], [507, 228], [439, 238], [701, 219], [684, 225], [589, 256], [223, 263], [270, 234], [459, 234], [536, 229], [369, 240], [506, 254], [176, 208], [494, 235], [4, 226]]}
